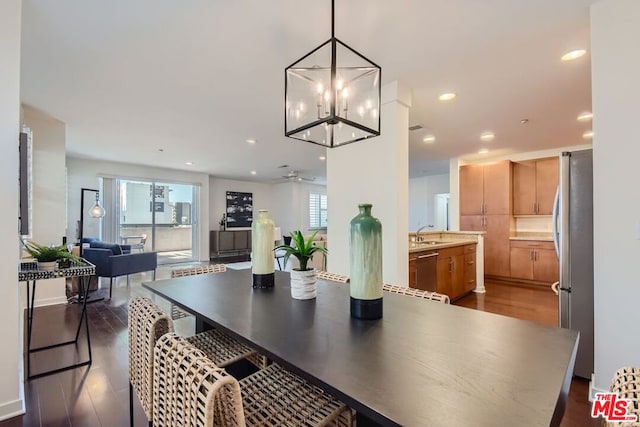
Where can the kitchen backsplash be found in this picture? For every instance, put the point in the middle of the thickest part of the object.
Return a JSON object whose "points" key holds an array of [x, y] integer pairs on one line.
{"points": [[533, 224]]}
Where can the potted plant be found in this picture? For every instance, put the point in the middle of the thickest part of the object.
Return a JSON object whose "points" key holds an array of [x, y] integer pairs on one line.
{"points": [[303, 279], [47, 256]]}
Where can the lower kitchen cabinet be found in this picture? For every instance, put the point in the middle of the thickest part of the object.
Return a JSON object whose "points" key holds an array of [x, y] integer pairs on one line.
{"points": [[533, 260], [412, 270], [456, 270]]}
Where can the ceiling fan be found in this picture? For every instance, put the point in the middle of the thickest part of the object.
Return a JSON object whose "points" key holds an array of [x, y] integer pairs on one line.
{"points": [[295, 176]]}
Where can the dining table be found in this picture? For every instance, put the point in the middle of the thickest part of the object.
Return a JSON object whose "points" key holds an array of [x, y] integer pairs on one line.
{"points": [[424, 363]]}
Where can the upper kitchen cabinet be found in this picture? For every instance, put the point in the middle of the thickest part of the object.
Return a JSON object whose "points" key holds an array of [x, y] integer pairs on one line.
{"points": [[485, 189], [534, 186]]}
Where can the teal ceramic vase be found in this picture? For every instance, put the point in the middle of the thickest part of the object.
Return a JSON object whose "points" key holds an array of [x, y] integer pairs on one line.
{"points": [[262, 244], [365, 261]]}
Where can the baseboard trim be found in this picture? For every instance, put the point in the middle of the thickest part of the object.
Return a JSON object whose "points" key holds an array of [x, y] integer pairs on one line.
{"points": [[593, 389], [50, 301], [11, 409]]}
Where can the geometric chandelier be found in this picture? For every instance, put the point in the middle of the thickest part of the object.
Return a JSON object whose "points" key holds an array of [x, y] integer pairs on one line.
{"points": [[332, 95]]}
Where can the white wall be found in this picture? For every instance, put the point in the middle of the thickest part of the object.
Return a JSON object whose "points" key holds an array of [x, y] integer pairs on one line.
{"points": [[11, 396], [290, 205], [218, 187], [85, 173], [616, 107], [374, 171], [422, 193], [49, 193]]}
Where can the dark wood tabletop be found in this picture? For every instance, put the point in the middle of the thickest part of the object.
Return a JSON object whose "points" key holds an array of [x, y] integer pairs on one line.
{"points": [[423, 364]]}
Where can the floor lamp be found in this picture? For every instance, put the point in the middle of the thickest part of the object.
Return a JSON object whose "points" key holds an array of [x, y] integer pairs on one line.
{"points": [[96, 211]]}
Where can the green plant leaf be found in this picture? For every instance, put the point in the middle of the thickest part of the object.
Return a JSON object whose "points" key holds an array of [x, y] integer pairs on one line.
{"points": [[301, 249]]}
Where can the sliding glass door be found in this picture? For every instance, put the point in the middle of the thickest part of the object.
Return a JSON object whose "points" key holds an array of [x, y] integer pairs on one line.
{"points": [[158, 216]]}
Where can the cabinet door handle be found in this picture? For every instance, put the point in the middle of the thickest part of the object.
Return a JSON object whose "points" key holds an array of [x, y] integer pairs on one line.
{"points": [[535, 255], [451, 267], [470, 262], [428, 255], [530, 255]]}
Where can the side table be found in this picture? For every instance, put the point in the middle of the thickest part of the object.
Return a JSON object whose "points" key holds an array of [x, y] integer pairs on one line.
{"points": [[29, 273]]}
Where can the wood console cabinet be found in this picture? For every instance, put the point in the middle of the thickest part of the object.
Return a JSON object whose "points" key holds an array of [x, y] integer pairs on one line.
{"points": [[534, 186], [534, 260], [230, 246]]}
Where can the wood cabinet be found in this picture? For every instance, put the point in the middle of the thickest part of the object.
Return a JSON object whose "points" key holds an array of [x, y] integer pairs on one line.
{"points": [[485, 189], [534, 260], [412, 269], [534, 186], [456, 270], [496, 240], [230, 246]]}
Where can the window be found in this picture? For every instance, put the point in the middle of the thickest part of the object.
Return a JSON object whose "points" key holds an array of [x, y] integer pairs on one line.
{"points": [[317, 210]]}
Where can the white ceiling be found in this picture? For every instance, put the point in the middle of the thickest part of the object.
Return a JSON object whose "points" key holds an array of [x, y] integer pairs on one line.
{"points": [[197, 78]]}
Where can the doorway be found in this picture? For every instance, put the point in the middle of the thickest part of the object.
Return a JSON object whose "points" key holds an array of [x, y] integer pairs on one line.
{"points": [[441, 214]]}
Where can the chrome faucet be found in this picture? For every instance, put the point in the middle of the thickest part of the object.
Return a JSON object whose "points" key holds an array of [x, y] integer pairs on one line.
{"points": [[418, 238]]}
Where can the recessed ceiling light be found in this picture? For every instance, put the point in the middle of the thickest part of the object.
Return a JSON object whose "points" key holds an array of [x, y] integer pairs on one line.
{"points": [[487, 136], [483, 151], [253, 172], [447, 96], [251, 141], [585, 117], [188, 163], [429, 139], [322, 158], [588, 134], [574, 54]]}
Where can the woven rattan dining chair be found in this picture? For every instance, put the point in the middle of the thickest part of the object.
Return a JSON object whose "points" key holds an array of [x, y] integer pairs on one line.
{"points": [[190, 390], [146, 324], [325, 275], [201, 269], [419, 293]]}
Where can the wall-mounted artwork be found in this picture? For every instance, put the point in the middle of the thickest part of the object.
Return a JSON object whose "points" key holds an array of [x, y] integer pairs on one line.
{"points": [[239, 209]]}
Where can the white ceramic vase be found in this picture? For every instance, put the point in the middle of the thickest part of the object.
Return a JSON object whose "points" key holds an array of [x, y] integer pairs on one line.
{"points": [[303, 284]]}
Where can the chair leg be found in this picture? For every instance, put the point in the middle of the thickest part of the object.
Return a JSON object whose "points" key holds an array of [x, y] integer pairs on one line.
{"points": [[127, 280], [110, 286], [154, 275], [279, 266], [130, 404]]}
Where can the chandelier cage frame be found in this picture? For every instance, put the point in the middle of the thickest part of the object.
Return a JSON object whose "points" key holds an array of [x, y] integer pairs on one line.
{"points": [[332, 105]]}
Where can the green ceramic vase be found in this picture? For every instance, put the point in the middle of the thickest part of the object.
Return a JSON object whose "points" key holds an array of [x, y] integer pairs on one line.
{"points": [[262, 243], [365, 261]]}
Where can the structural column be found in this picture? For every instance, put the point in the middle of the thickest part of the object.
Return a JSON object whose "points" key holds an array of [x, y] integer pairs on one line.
{"points": [[11, 403], [373, 171]]}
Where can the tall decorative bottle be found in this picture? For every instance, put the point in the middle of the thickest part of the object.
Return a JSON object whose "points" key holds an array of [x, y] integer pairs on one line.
{"points": [[365, 260], [262, 244]]}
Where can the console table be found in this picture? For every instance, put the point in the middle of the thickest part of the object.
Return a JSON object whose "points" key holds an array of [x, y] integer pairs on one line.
{"points": [[230, 246], [28, 272]]}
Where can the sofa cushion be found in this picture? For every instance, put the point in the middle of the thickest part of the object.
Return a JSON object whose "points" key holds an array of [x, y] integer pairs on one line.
{"points": [[113, 247]]}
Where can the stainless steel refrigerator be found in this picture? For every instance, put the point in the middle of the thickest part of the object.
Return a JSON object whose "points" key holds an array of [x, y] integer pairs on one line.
{"points": [[573, 239]]}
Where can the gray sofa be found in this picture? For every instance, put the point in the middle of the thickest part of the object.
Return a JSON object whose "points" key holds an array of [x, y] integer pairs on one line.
{"points": [[110, 261]]}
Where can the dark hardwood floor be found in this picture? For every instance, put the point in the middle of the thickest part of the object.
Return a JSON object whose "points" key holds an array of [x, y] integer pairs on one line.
{"points": [[98, 395], [537, 304]]}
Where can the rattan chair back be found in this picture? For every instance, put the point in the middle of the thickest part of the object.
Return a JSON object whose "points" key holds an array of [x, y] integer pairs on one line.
{"points": [[325, 275], [189, 390], [146, 324], [201, 269], [418, 293]]}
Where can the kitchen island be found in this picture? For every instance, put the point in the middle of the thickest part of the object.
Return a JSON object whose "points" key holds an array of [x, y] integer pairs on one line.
{"points": [[447, 262]]}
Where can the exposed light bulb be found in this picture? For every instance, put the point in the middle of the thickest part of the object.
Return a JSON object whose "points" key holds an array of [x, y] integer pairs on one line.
{"points": [[339, 84], [320, 88], [345, 92], [361, 111]]}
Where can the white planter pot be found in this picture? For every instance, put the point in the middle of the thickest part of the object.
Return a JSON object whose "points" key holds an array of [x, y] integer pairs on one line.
{"points": [[303, 284], [47, 266]]}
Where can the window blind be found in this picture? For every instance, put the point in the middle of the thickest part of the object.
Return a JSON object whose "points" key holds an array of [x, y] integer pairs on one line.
{"points": [[317, 210]]}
